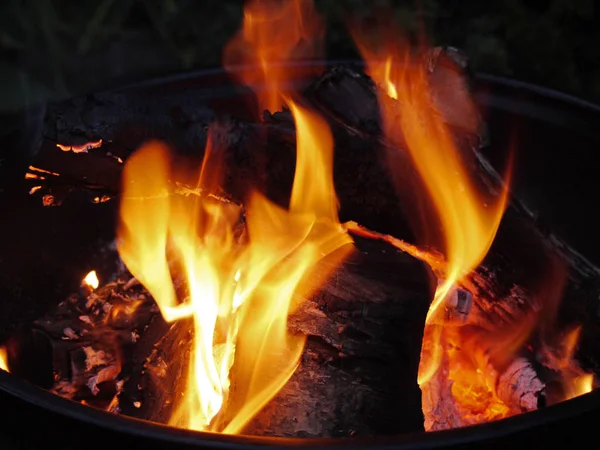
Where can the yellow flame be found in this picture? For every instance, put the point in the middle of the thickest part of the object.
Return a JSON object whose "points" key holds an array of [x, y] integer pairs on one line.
{"points": [[580, 385], [3, 359], [575, 381], [238, 295], [91, 280]]}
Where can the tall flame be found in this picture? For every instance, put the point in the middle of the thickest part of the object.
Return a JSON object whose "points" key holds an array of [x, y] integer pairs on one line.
{"points": [[273, 33], [468, 218], [239, 295]]}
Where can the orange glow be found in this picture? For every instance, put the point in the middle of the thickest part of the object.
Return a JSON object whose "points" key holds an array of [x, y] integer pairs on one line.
{"points": [[34, 189], [37, 169], [122, 310], [273, 33], [80, 148], [581, 385], [91, 280], [102, 199], [575, 381], [33, 176], [239, 295], [3, 359], [468, 218]]}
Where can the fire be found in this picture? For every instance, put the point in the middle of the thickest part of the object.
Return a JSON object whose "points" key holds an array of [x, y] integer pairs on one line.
{"points": [[468, 219], [3, 359], [239, 294], [91, 280], [575, 381], [273, 33], [581, 385]]}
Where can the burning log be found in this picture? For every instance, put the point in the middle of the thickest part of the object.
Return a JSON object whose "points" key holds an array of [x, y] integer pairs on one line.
{"points": [[351, 98], [358, 375]]}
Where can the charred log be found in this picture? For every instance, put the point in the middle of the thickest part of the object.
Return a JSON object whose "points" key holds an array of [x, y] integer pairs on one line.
{"points": [[358, 374], [81, 350]]}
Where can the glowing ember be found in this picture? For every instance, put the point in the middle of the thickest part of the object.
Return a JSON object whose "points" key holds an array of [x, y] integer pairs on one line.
{"points": [[34, 189], [3, 359], [80, 148], [102, 199], [91, 280]]}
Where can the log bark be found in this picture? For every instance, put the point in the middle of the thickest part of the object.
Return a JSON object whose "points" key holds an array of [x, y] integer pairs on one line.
{"points": [[358, 373]]}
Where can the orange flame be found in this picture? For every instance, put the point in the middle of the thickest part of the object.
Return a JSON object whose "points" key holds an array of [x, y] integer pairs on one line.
{"points": [[575, 381], [3, 359], [238, 295], [273, 33], [468, 218]]}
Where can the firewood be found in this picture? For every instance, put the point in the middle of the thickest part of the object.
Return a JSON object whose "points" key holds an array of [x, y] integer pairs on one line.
{"points": [[358, 374], [79, 349]]}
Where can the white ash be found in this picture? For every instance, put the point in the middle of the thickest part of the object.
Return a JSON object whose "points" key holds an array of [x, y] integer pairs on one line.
{"points": [[95, 358], [107, 374], [91, 300], [519, 386], [439, 407], [86, 319], [69, 334]]}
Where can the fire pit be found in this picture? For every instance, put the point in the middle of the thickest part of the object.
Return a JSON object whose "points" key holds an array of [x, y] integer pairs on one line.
{"points": [[178, 256]]}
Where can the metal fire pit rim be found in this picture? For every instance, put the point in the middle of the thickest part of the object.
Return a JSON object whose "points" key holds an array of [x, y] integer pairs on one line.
{"points": [[572, 409], [478, 76], [133, 427]]}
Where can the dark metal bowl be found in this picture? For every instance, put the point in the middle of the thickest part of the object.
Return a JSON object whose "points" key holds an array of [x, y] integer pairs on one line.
{"points": [[555, 176]]}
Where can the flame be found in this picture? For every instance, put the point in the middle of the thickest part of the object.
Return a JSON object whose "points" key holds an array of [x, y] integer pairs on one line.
{"points": [[581, 385], [273, 33], [122, 311], [91, 280], [34, 189], [575, 381], [3, 359], [468, 218], [239, 295]]}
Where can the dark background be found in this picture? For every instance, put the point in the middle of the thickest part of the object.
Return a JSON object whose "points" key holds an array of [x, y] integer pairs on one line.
{"points": [[52, 49]]}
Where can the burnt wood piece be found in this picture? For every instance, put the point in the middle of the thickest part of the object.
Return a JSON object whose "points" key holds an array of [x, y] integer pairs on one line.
{"points": [[81, 349], [526, 268], [358, 373], [354, 100], [124, 120]]}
